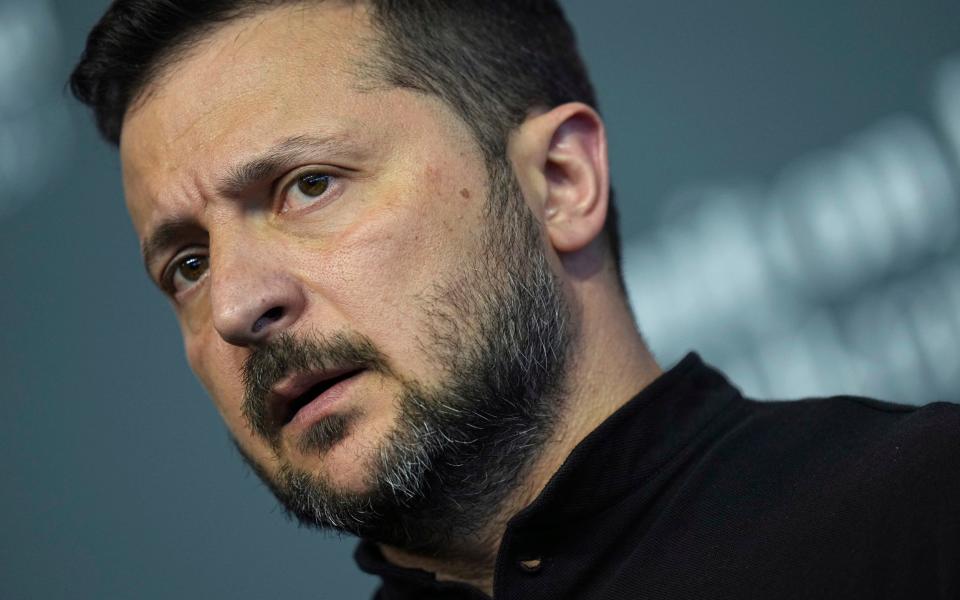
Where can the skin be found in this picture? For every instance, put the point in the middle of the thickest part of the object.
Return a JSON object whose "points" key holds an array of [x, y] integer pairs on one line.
{"points": [[404, 210]]}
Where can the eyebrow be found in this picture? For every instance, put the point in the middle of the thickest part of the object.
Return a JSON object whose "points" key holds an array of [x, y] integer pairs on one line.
{"points": [[241, 178], [167, 234], [278, 159]]}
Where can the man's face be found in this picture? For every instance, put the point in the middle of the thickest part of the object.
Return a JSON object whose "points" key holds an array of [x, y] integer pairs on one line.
{"points": [[328, 247]]}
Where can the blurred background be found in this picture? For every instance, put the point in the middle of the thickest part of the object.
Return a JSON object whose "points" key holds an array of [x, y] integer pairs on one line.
{"points": [[788, 177]]}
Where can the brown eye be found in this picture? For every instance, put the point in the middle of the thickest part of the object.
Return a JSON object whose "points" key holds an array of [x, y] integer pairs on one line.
{"points": [[310, 189], [192, 268], [186, 272], [313, 184]]}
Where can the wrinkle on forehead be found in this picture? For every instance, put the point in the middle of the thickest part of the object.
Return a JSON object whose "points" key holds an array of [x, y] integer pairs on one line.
{"points": [[225, 95], [240, 52]]}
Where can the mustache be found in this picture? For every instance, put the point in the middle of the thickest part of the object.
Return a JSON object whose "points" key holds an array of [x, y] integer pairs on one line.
{"points": [[286, 355]]}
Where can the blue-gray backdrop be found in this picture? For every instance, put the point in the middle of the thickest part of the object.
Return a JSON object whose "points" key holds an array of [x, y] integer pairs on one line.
{"points": [[788, 178]]}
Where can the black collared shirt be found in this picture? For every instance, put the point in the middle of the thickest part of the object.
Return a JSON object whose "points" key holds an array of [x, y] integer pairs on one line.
{"points": [[692, 491]]}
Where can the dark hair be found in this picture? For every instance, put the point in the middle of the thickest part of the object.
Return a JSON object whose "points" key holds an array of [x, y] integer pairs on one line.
{"points": [[491, 61]]}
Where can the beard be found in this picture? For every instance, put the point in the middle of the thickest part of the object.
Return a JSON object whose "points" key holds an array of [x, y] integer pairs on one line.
{"points": [[501, 334]]}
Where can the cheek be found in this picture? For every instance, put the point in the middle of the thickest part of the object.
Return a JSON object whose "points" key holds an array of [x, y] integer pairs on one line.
{"points": [[217, 366], [195, 346], [397, 259], [195, 316]]}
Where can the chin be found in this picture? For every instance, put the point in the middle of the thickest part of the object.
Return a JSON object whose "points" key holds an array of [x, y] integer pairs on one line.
{"points": [[345, 463]]}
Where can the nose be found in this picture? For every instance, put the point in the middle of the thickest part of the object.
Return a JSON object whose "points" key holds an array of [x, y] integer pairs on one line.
{"points": [[253, 298]]}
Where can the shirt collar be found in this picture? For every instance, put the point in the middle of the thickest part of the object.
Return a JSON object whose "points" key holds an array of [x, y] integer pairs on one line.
{"points": [[634, 445]]}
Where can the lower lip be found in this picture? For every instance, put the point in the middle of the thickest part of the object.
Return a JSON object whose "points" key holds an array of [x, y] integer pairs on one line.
{"points": [[322, 405]]}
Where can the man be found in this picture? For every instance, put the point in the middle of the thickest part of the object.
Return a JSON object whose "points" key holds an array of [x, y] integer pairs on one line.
{"points": [[386, 230]]}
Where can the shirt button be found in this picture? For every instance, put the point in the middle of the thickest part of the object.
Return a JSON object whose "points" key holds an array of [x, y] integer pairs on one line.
{"points": [[531, 565]]}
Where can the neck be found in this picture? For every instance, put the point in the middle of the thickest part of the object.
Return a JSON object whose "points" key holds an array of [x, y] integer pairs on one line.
{"points": [[611, 365]]}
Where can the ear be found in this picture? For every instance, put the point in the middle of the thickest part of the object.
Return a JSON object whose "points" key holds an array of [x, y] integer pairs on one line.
{"points": [[560, 157]]}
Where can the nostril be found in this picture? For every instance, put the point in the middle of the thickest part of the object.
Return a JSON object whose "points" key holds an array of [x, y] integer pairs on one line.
{"points": [[271, 316]]}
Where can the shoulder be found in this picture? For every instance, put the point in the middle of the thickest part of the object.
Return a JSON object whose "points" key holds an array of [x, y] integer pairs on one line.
{"points": [[878, 455], [918, 447], [865, 426], [860, 418], [853, 422], [847, 481]]}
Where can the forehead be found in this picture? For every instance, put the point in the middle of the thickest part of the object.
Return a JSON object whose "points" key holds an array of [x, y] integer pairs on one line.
{"points": [[243, 86]]}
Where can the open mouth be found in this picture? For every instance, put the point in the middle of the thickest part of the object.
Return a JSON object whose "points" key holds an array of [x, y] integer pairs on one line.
{"points": [[312, 393]]}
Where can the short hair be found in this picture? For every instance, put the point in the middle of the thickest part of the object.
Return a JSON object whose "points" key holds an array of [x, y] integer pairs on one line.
{"points": [[490, 61]]}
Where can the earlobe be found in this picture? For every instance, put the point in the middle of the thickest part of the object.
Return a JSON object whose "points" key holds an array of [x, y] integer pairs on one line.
{"points": [[577, 178]]}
